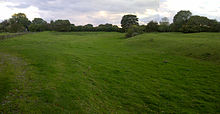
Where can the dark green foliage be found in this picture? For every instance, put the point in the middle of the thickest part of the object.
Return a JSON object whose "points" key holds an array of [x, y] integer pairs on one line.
{"points": [[102, 27], [38, 25], [173, 27], [164, 21], [180, 19], [164, 25], [15, 27], [218, 27], [21, 19], [108, 28], [182, 22], [152, 27], [61, 25], [72, 26], [200, 24], [88, 27], [1, 28], [164, 28], [215, 27], [18, 23], [134, 30], [128, 20], [39, 21], [4, 25], [77, 28]]}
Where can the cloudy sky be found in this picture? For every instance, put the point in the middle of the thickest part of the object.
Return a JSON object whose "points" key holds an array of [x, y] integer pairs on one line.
{"points": [[96, 12]]}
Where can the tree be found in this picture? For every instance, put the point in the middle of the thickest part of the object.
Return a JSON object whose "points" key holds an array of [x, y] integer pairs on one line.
{"points": [[173, 27], [21, 19], [1, 28], [72, 26], [61, 25], [218, 27], [181, 18], [128, 20], [77, 28], [164, 25], [164, 21], [164, 28], [34, 28], [108, 28], [152, 27], [200, 24], [4, 25], [39, 21], [214, 24], [38, 25], [88, 27]]}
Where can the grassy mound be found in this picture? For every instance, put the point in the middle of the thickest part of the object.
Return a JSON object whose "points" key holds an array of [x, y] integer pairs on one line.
{"points": [[104, 72]]}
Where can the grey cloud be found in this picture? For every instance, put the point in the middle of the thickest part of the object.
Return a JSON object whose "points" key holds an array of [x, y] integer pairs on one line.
{"points": [[23, 5], [86, 11], [71, 9], [89, 5], [151, 18]]}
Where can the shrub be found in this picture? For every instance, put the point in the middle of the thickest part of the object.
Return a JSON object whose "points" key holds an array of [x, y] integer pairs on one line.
{"points": [[134, 30]]}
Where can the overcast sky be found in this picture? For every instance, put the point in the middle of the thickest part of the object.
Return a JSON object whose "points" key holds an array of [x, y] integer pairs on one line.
{"points": [[96, 12]]}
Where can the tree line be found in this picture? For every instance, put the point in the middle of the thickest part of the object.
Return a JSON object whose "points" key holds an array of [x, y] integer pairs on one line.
{"points": [[183, 21], [20, 23]]}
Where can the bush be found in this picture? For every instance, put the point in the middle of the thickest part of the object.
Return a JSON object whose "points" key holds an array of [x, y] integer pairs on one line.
{"points": [[133, 31], [16, 28]]}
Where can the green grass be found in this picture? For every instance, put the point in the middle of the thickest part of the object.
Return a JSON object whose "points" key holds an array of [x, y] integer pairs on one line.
{"points": [[105, 73]]}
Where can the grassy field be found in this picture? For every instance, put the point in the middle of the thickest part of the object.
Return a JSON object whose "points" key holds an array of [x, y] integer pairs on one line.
{"points": [[53, 72]]}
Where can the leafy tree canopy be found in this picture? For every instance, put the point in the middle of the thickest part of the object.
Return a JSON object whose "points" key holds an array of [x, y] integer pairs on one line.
{"points": [[152, 27], [20, 18], [181, 18], [39, 21], [128, 20], [164, 21]]}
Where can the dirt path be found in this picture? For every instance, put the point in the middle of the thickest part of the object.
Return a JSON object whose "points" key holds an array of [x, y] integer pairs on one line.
{"points": [[8, 36]]}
